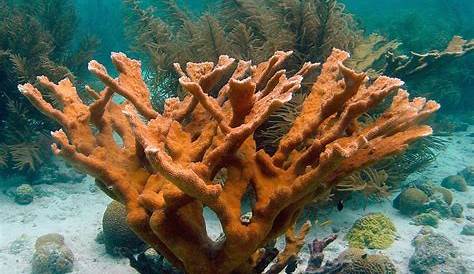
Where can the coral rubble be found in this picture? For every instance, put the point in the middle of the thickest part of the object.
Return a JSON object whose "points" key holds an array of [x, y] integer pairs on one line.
{"points": [[200, 151]]}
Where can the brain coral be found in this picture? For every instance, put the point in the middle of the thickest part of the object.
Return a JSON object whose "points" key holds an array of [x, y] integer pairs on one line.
{"points": [[374, 231], [117, 234], [359, 262], [435, 254]]}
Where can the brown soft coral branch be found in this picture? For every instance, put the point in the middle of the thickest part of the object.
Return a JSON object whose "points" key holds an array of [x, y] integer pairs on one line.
{"points": [[293, 245], [200, 152], [414, 63]]}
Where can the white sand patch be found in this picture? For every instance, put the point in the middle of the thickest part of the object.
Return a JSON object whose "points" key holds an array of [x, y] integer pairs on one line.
{"points": [[73, 211]]}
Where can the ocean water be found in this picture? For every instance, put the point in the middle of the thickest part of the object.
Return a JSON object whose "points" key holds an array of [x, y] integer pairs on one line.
{"points": [[192, 167]]}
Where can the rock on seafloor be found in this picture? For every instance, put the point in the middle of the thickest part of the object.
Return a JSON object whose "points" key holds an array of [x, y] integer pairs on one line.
{"points": [[435, 254], [468, 230], [24, 194], [52, 256], [468, 174], [455, 182]]}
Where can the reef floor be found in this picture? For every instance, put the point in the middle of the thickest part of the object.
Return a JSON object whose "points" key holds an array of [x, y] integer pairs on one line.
{"points": [[75, 211]]}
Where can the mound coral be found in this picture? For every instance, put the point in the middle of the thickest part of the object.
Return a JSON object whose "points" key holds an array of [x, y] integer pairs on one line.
{"points": [[374, 231], [24, 194], [457, 210], [446, 193], [200, 151], [410, 201], [455, 182]]}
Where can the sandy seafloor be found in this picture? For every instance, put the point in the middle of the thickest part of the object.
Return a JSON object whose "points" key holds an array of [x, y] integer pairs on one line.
{"points": [[76, 212]]}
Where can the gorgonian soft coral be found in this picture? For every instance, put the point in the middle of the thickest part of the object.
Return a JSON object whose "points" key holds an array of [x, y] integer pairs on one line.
{"points": [[35, 38]]}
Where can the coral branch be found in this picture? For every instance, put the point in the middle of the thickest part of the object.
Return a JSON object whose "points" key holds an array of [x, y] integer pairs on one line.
{"points": [[316, 254], [294, 243], [404, 66]]}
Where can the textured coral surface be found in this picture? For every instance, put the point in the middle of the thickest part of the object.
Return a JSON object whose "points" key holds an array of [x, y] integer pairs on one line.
{"points": [[374, 231], [200, 152]]}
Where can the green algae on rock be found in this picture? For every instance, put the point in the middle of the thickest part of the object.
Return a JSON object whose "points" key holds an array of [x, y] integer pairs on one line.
{"points": [[430, 219], [374, 231]]}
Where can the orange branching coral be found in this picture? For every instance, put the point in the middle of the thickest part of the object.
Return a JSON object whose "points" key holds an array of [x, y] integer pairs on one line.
{"points": [[163, 168]]}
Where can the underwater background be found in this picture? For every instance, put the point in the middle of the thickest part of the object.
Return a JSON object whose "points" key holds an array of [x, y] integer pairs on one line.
{"points": [[409, 213]]}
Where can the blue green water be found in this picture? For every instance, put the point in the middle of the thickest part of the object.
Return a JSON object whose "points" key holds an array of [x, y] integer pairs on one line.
{"points": [[59, 199]]}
